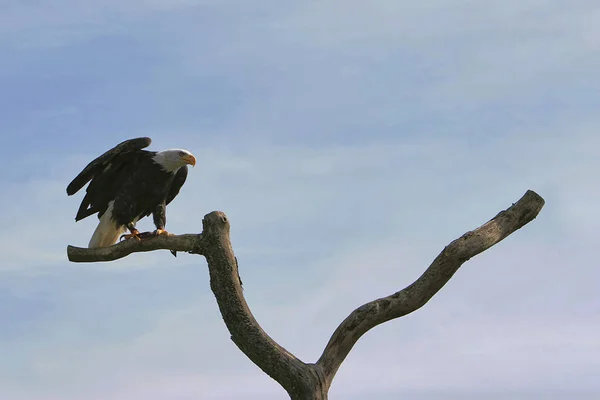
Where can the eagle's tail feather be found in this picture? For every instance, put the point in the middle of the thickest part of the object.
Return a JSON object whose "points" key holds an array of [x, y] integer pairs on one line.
{"points": [[107, 232]]}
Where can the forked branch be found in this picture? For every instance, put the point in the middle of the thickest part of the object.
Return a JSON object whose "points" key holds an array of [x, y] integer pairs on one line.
{"points": [[298, 378], [302, 380]]}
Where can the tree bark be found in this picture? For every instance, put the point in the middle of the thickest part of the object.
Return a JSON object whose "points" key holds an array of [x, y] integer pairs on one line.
{"points": [[307, 381]]}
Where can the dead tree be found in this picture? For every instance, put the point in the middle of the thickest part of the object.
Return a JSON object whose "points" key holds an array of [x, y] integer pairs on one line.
{"points": [[311, 381]]}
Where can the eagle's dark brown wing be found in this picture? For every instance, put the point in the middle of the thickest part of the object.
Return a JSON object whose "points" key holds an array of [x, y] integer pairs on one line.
{"points": [[107, 173]]}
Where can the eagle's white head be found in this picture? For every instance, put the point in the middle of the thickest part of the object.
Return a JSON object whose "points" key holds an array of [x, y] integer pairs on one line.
{"points": [[173, 159]]}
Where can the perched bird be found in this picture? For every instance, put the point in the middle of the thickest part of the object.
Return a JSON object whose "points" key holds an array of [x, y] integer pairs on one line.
{"points": [[127, 184]]}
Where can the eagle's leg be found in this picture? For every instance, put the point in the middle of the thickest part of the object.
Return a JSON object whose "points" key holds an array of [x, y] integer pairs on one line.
{"points": [[135, 234], [160, 220]]}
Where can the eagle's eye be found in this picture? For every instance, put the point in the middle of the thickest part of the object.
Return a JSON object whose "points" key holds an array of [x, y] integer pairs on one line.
{"points": [[181, 153]]}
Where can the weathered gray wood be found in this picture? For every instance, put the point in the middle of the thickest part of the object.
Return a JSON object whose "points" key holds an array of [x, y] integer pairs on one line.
{"points": [[190, 243], [417, 294], [301, 380], [297, 378]]}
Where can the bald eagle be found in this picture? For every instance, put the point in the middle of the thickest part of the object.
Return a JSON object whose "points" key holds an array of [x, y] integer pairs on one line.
{"points": [[127, 184]]}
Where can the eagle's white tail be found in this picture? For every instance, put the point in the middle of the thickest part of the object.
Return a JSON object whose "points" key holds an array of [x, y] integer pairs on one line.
{"points": [[107, 232]]}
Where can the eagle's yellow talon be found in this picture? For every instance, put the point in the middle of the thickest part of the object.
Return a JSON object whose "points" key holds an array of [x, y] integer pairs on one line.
{"points": [[135, 234]]}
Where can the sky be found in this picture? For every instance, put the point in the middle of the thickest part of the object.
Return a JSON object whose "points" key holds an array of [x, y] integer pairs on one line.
{"points": [[348, 142]]}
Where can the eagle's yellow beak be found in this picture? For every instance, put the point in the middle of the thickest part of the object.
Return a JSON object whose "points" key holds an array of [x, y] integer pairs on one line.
{"points": [[190, 159]]}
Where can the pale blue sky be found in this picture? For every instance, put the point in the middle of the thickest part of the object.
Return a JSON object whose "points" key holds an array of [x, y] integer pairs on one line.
{"points": [[348, 142]]}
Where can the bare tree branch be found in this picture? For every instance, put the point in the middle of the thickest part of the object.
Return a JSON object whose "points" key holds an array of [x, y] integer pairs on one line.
{"points": [[187, 243], [305, 381], [427, 285], [298, 378]]}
